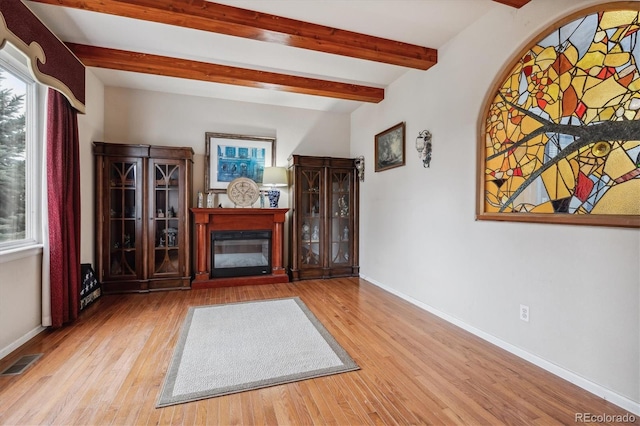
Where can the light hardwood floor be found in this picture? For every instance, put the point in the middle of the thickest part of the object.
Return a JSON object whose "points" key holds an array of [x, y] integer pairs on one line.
{"points": [[107, 368]]}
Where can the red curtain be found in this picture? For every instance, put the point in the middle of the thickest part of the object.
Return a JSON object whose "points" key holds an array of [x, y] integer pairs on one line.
{"points": [[63, 189]]}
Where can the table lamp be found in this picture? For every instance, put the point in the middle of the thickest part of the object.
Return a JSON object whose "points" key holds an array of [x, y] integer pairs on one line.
{"points": [[272, 178]]}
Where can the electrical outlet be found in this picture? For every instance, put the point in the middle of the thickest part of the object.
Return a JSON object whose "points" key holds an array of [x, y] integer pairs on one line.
{"points": [[524, 313]]}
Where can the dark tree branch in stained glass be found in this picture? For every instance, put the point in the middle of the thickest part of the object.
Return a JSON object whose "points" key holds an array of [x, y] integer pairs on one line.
{"points": [[562, 133]]}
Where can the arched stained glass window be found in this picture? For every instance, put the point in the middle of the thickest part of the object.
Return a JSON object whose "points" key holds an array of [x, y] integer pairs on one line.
{"points": [[560, 139]]}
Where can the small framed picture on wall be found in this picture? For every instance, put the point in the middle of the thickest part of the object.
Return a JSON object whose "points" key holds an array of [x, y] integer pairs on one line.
{"points": [[389, 148]]}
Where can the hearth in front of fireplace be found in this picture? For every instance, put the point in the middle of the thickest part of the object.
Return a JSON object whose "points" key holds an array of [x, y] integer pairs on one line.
{"points": [[240, 253]]}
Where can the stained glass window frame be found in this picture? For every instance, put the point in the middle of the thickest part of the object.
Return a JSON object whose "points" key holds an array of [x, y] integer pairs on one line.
{"points": [[485, 167]]}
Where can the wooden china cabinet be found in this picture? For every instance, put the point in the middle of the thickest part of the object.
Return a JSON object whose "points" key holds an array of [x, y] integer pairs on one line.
{"points": [[143, 228], [324, 223]]}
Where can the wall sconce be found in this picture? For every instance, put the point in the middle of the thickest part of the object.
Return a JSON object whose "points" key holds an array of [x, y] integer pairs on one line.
{"points": [[359, 163], [273, 177], [423, 146]]}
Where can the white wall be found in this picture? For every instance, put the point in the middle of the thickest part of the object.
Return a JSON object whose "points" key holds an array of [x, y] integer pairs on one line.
{"points": [[90, 128], [20, 308], [420, 240]]}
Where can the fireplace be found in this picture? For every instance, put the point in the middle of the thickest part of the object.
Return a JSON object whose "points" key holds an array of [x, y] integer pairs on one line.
{"points": [[240, 253], [246, 235]]}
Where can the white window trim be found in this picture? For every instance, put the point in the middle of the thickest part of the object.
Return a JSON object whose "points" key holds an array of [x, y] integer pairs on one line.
{"points": [[20, 253], [14, 61]]}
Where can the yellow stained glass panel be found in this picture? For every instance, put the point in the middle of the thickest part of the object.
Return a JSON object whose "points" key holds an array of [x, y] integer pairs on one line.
{"points": [[558, 102], [618, 18], [618, 163], [620, 199]]}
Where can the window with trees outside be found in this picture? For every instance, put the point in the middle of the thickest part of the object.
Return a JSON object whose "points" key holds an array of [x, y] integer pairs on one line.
{"points": [[20, 158], [560, 139]]}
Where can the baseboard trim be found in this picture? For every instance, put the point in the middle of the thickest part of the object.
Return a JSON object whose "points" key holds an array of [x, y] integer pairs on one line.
{"points": [[594, 388], [21, 341]]}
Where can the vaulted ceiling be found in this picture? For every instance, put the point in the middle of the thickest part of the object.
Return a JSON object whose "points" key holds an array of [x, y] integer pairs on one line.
{"points": [[327, 55]]}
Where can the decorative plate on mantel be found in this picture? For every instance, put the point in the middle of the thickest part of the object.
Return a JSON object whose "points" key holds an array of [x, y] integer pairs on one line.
{"points": [[243, 192]]}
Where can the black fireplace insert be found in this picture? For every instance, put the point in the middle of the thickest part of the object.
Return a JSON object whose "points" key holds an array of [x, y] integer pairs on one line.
{"points": [[240, 253]]}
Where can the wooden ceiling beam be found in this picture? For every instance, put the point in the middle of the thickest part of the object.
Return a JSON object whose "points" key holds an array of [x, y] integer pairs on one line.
{"points": [[233, 21], [123, 60], [513, 3]]}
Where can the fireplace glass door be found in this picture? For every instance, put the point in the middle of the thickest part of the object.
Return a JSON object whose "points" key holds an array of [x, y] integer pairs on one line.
{"points": [[240, 253]]}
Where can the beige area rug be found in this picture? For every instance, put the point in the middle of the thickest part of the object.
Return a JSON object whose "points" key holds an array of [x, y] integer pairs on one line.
{"points": [[236, 347]]}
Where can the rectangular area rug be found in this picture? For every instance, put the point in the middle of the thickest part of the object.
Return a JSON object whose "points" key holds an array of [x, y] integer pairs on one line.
{"points": [[236, 347]]}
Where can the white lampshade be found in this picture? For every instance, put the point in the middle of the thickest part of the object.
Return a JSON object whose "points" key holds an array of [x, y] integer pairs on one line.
{"points": [[275, 176]]}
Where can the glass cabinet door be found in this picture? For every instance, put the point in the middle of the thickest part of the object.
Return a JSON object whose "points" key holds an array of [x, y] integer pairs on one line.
{"points": [[166, 209], [123, 223], [341, 224], [324, 225], [311, 208]]}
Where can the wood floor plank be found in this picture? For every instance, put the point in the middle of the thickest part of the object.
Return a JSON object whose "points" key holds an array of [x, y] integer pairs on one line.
{"points": [[235, 410], [312, 409], [284, 411], [377, 407], [246, 406], [213, 405], [358, 404], [268, 409], [324, 407], [341, 413], [299, 403], [109, 366], [201, 412], [256, 409], [341, 401]]}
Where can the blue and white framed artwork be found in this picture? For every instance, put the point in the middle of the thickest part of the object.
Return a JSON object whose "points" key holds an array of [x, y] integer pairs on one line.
{"points": [[231, 156]]}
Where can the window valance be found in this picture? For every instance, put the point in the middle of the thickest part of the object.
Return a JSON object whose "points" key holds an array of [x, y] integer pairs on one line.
{"points": [[51, 62]]}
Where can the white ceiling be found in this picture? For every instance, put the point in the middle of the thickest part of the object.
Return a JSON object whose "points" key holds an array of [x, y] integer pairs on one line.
{"points": [[428, 23]]}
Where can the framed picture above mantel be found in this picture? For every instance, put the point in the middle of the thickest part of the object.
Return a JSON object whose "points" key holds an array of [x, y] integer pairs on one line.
{"points": [[230, 156]]}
